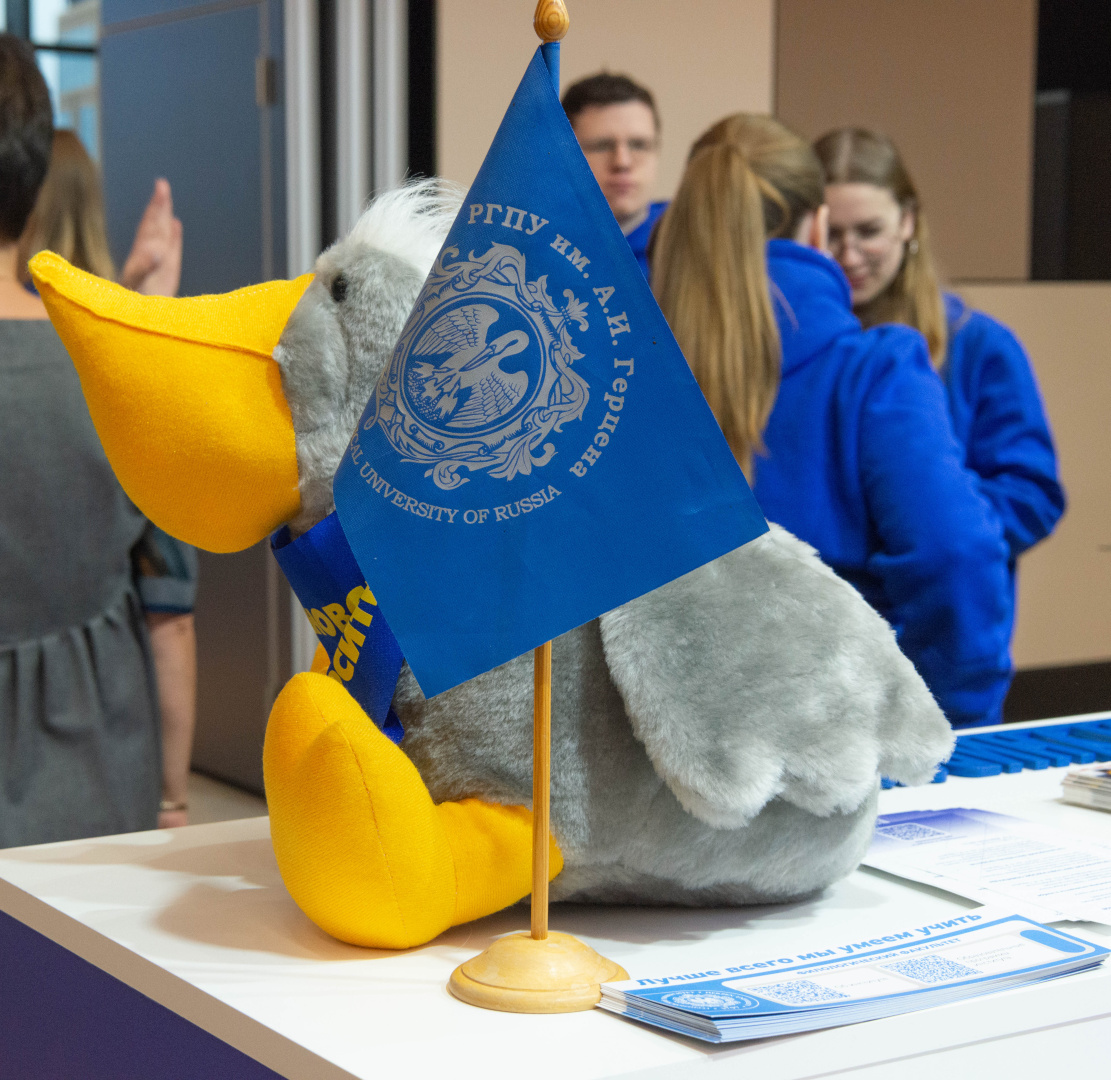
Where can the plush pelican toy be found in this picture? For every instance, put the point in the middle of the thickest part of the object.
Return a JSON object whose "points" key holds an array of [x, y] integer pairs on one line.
{"points": [[718, 741]]}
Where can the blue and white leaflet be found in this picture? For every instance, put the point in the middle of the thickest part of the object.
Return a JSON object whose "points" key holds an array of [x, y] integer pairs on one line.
{"points": [[916, 968]]}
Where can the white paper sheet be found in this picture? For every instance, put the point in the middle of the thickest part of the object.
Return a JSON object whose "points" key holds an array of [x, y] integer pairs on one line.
{"points": [[1042, 873]]}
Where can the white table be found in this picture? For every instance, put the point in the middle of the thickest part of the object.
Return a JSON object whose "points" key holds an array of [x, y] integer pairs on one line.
{"points": [[197, 919]]}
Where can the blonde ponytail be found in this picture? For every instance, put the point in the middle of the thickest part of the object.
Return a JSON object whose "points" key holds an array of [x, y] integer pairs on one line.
{"points": [[69, 214], [747, 178]]}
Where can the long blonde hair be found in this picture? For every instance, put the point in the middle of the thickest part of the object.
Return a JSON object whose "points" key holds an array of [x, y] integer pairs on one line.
{"points": [[857, 156], [748, 178], [69, 215]]}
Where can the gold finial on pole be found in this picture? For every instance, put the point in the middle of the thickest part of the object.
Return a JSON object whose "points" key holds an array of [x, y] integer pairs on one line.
{"points": [[551, 20]]}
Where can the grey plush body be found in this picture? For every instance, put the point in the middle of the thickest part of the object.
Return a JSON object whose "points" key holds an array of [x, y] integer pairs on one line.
{"points": [[717, 741]]}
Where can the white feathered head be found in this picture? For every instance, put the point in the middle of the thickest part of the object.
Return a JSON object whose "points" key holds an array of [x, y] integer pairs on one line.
{"points": [[344, 328]]}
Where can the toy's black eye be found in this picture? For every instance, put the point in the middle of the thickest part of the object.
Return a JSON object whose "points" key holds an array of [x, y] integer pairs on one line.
{"points": [[339, 289]]}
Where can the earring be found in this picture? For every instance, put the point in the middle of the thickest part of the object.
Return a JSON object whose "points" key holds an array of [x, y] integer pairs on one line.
{"points": [[912, 247]]}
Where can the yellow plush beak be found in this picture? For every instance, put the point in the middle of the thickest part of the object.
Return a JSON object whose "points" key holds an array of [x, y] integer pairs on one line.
{"points": [[186, 398]]}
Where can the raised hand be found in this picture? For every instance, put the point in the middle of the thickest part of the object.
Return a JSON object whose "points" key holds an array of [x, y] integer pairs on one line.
{"points": [[154, 265]]}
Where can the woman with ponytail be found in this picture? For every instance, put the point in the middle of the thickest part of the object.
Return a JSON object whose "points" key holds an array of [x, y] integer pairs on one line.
{"points": [[844, 432], [878, 234]]}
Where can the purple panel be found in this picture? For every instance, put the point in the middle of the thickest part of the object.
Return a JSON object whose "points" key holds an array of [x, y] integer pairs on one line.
{"points": [[62, 1017]]}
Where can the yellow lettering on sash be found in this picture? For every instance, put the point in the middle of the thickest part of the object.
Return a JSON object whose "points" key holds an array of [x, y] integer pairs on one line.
{"points": [[358, 613], [346, 670], [334, 619], [320, 622], [355, 637], [337, 615]]}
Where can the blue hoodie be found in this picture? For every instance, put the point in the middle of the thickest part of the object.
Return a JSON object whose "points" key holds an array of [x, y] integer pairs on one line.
{"points": [[862, 463], [998, 416], [639, 237]]}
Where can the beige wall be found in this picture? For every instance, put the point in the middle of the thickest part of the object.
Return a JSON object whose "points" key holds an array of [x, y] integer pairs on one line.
{"points": [[952, 81], [1064, 613], [701, 60]]}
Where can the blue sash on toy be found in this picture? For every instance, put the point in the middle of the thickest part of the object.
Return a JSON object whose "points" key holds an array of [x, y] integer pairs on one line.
{"points": [[363, 654]]}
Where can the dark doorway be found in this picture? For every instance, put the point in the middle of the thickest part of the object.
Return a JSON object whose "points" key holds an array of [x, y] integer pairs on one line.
{"points": [[1071, 228]]}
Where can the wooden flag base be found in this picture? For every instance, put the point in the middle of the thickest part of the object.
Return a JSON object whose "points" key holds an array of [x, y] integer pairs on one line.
{"points": [[521, 974], [540, 972]]}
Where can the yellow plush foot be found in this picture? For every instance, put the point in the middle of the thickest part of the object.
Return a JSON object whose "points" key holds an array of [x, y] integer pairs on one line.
{"points": [[361, 846]]}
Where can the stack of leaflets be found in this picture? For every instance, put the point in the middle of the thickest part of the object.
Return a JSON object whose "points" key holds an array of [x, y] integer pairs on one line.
{"points": [[1089, 786], [950, 960]]}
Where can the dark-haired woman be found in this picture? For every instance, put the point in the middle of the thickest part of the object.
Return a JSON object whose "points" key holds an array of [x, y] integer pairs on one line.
{"points": [[844, 430], [81, 752], [879, 235]]}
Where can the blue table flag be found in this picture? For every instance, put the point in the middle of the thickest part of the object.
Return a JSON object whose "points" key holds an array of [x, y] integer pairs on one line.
{"points": [[537, 452]]}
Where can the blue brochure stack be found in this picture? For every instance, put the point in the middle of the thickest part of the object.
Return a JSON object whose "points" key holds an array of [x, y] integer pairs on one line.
{"points": [[902, 972]]}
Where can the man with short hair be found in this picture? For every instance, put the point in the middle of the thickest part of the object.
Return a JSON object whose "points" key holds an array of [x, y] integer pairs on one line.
{"points": [[618, 128]]}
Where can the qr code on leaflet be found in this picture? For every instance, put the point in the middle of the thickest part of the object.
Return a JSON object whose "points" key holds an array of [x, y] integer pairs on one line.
{"points": [[932, 969], [799, 992], [909, 831]]}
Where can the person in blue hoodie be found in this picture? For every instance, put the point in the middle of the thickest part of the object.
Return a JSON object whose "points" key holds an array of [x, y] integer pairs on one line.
{"points": [[618, 128], [879, 236], [844, 432]]}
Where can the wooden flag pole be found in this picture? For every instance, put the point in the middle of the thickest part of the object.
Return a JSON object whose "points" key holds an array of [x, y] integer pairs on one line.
{"points": [[541, 784], [540, 972]]}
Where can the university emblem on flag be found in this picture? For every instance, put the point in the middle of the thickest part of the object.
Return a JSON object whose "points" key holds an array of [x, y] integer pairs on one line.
{"points": [[483, 375], [536, 450]]}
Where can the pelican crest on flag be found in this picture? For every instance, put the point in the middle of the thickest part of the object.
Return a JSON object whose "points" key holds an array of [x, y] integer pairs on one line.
{"points": [[483, 374], [537, 451]]}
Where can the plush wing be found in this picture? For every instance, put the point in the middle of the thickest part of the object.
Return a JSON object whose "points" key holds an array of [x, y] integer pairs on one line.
{"points": [[463, 328], [764, 675]]}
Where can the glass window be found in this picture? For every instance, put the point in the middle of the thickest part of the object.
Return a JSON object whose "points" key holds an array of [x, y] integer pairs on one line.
{"points": [[65, 35]]}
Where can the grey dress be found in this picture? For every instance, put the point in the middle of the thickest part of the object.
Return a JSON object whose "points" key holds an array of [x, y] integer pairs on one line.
{"points": [[80, 751]]}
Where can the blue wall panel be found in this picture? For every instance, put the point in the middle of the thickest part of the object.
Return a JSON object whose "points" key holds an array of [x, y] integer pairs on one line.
{"points": [[178, 100]]}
